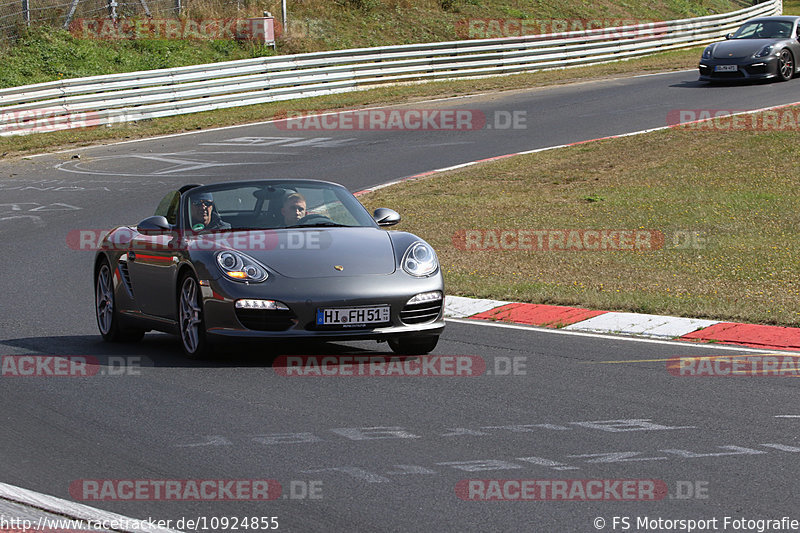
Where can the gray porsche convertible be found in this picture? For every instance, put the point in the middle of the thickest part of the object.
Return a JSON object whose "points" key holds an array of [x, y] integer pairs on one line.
{"points": [[762, 48], [265, 259]]}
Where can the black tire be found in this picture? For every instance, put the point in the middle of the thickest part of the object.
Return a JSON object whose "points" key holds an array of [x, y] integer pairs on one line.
{"points": [[108, 320], [785, 65], [191, 326], [413, 345]]}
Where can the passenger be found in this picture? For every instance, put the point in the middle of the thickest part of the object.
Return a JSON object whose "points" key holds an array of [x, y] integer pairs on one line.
{"points": [[294, 209]]}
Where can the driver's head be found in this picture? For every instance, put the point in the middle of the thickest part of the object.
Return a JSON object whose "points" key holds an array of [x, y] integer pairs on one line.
{"points": [[202, 207], [294, 208]]}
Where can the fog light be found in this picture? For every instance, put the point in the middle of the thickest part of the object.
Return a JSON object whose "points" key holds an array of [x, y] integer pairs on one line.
{"points": [[261, 304], [426, 297]]}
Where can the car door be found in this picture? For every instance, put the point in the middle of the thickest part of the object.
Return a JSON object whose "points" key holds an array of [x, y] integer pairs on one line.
{"points": [[794, 46], [152, 262]]}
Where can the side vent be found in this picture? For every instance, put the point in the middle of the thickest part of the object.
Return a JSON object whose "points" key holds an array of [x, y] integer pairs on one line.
{"points": [[126, 277]]}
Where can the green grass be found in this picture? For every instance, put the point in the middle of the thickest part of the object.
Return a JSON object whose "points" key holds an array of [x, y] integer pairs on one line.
{"points": [[734, 189], [792, 7], [45, 54]]}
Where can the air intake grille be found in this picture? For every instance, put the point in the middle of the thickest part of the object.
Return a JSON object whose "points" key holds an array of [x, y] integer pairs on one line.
{"points": [[266, 319], [126, 277], [420, 313]]}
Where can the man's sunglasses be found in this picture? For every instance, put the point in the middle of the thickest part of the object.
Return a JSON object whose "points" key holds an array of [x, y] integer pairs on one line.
{"points": [[204, 203]]}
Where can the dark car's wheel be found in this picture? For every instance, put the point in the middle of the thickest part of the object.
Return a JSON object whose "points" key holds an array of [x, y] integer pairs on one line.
{"points": [[785, 65], [106, 309], [190, 319], [413, 345]]}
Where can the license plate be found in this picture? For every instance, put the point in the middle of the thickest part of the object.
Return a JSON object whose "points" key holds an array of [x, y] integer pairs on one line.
{"points": [[726, 68], [339, 316]]}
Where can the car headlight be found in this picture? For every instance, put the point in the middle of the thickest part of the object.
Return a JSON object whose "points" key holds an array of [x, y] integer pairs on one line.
{"points": [[420, 260], [240, 267], [707, 52], [767, 50]]}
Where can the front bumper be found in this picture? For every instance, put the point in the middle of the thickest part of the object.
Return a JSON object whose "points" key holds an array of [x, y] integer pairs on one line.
{"points": [[305, 296], [750, 68]]}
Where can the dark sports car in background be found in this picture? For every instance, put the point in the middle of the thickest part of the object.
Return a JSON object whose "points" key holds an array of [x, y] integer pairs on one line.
{"points": [[268, 259], [762, 48]]}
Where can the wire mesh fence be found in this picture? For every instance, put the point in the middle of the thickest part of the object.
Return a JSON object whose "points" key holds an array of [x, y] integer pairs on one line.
{"points": [[15, 15]]}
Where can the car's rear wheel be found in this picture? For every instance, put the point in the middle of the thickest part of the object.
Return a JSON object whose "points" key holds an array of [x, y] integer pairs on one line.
{"points": [[108, 321], [413, 345], [190, 319], [785, 65]]}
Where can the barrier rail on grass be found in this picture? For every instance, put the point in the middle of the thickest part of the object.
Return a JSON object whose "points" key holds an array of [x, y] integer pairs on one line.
{"points": [[116, 98]]}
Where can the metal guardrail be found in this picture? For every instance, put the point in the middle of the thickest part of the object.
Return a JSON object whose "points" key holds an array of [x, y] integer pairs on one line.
{"points": [[116, 98]]}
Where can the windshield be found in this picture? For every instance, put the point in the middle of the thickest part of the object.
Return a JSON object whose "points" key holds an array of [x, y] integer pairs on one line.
{"points": [[273, 205], [765, 29]]}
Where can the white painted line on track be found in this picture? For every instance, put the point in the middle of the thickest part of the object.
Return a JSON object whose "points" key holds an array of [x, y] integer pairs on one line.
{"points": [[661, 73], [75, 510], [555, 147], [685, 344]]}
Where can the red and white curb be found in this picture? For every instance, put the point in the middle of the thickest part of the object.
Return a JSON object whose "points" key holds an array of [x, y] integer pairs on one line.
{"points": [[635, 324]]}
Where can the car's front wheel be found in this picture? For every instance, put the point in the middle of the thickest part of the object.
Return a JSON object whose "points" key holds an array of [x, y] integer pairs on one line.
{"points": [[413, 345], [190, 319], [785, 65], [108, 321]]}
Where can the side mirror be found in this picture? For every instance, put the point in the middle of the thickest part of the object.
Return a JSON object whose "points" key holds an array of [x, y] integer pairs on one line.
{"points": [[154, 224], [729, 35], [386, 217]]}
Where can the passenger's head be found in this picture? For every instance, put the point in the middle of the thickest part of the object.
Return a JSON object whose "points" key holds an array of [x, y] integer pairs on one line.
{"points": [[294, 208]]}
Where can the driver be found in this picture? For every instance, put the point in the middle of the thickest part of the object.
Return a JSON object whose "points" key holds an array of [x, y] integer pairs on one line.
{"points": [[204, 215], [294, 208]]}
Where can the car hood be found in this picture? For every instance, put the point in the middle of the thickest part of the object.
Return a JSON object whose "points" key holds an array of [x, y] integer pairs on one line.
{"points": [[739, 48], [316, 252]]}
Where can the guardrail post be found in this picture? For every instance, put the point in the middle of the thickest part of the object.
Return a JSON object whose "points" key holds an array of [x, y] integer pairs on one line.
{"points": [[68, 19], [26, 12], [112, 10]]}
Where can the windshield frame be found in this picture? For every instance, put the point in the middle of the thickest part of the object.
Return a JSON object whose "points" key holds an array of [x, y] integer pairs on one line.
{"points": [[750, 23], [350, 202]]}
